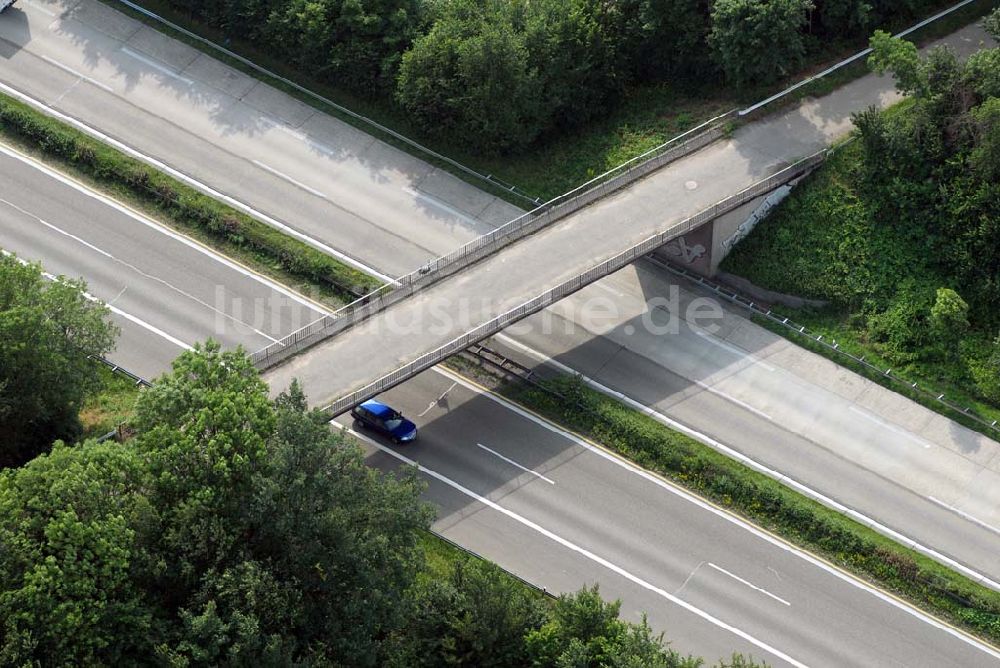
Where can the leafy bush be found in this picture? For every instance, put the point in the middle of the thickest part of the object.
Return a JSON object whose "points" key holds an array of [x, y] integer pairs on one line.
{"points": [[758, 41], [493, 76], [913, 206]]}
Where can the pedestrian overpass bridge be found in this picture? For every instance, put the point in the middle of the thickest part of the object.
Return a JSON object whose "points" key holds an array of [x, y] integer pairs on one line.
{"points": [[672, 196], [686, 196]]}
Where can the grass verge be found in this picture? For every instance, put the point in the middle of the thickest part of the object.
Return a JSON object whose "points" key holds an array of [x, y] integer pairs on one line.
{"points": [[766, 502], [182, 207], [110, 405], [648, 116]]}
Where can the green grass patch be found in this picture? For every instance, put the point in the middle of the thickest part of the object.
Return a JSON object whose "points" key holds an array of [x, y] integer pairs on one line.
{"points": [[110, 405], [182, 207], [766, 502], [648, 116]]}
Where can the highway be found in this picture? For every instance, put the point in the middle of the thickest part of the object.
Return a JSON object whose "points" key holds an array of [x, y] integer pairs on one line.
{"points": [[575, 516], [166, 291], [561, 512], [162, 308], [917, 473]]}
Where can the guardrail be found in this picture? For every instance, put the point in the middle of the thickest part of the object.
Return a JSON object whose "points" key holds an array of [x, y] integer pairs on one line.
{"points": [[734, 297], [480, 247], [139, 380], [609, 266]]}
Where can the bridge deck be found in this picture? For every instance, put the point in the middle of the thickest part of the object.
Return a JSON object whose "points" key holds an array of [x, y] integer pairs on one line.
{"points": [[446, 310]]}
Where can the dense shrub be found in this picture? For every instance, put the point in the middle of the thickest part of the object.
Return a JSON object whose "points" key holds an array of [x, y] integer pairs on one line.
{"points": [[495, 75], [899, 230], [502, 72], [758, 41]]}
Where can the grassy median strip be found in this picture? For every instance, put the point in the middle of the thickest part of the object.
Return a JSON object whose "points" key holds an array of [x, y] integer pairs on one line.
{"points": [[766, 502], [226, 229]]}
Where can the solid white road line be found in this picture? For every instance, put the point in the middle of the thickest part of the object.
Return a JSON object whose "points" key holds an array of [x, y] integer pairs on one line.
{"points": [[437, 401], [70, 70], [891, 427], [757, 466], [974, 520], [515, 464], [738, 521], [160, 228], [181, 176], [286, 177], [155, 65], [580, 550], [749, 584], [117, 311]]}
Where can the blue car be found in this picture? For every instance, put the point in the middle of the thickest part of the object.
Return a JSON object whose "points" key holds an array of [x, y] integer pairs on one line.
{"points": [[378, 417]]}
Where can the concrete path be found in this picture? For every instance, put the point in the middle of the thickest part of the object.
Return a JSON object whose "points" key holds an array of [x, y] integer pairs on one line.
{"points": [[514, 275], [324, 178]]}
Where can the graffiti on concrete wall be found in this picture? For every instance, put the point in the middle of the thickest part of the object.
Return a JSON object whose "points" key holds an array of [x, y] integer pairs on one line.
{"points": [[759, 214], [679, 249]]}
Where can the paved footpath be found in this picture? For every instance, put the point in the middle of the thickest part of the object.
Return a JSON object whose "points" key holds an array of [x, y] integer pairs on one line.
{"points": [[569, 247]]}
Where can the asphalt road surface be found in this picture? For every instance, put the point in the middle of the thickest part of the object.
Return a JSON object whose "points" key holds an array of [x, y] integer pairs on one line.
{"points": [[555, 510], [561, 512], [167, 298], [642, 334]]}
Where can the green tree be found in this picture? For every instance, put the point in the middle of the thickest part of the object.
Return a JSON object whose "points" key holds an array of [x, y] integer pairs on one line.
{"points": [[282, 542], [840, 18], [758, 41], [900, 58], [230, 529], [576, 55], [47, 331], [985, 156], [470, 79], [584, 630], [478, 616], [992, 24], [987, 373], [661, 39], [357, 43], [949, 320], [67, 553]]}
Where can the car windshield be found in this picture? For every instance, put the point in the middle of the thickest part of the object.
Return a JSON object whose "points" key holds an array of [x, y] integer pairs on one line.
{"points": [[394, 422]]}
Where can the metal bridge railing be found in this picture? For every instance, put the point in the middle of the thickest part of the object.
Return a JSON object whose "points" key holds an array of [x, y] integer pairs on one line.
{"points": [[480, 247]]}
